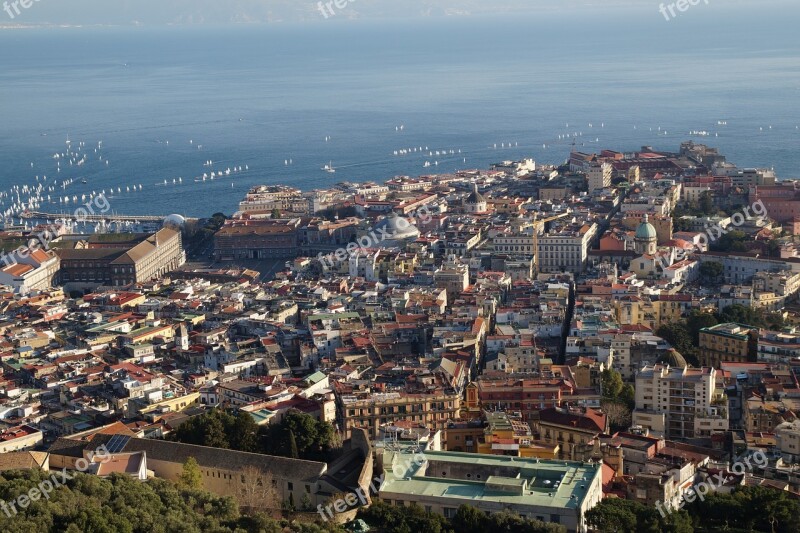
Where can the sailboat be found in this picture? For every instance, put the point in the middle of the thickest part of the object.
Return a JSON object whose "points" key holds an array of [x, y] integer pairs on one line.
{"points": [[329, 168]]}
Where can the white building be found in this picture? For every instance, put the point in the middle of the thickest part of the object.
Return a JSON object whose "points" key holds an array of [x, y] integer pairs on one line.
{"points": [[26, 270], [566, 250], [599, 176], [679, 403]]}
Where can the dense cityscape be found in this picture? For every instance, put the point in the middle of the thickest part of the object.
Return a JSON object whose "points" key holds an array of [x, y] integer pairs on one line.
{"points": [[606, 344]]}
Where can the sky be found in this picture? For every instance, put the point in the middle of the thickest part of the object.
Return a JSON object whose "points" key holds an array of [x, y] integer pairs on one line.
{"points": [[223, 12]]}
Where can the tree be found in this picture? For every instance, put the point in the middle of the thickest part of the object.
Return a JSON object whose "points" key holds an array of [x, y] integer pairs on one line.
{"points": [[243, 433], [611, 383], [706, 203], [293, 453], [255, 490], [619, 416], [214, 434], [313, 438], [614, 515], [677, 334], [276, 213], [733, 241], [680, 224], [774, 248], [628, 396], [711, 272], [469, 519], [191, 477], [742, 315], [123, 504], [220, 429], [698, 320], [748, 509]]}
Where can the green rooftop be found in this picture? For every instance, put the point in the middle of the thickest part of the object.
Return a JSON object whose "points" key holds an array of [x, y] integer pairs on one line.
{"points": [[490, 478]]}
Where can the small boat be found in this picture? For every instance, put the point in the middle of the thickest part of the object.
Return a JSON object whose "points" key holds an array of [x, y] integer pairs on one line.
{"points": [[329, 168], [84, 181]]}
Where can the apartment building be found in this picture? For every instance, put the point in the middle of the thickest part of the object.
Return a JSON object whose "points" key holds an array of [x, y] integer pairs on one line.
{"points": [[454, 278], [728, 342], [573, 430], [787, 441], [680, 403], [599, 176], [433, 410]]}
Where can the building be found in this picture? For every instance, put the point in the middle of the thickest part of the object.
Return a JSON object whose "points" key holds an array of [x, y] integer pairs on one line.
{"points": [[728, 342], [247, 238], [781, 201], [514, 244], [779, 346], [741, 268], [475, 203], [506, 435], [431, 410], [30, 270], [679, 403], [266, 198], [440, 482], [230, 472], [155, 256], [566, 250], [527, 396], [118, 260], [599, 176], [20, 438], [572, 430], [464, 435], [646, 240], [787, 439], [454, 278]]}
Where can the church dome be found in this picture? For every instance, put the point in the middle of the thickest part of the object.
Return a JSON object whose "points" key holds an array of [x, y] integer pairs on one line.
{"points": [[646, 231], [673, 358], [475, 198]]}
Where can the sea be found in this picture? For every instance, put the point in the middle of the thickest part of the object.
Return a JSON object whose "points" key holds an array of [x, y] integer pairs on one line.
{"points": [[153, 109]]}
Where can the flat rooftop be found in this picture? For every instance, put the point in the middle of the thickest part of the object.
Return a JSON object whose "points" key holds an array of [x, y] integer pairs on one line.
{"points": [[501, 479]]}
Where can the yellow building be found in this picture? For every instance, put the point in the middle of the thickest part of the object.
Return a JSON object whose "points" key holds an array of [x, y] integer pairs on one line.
{"points": [[433, 410], [153, 411], [508, 436], [728, 342], [639, 311]]}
